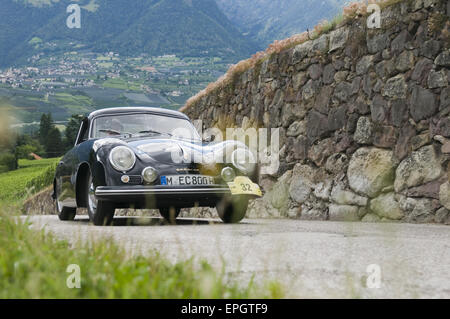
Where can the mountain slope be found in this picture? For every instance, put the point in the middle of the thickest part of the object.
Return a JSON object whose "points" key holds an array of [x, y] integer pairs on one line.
{"points": [[269, 20], [183, 27]]}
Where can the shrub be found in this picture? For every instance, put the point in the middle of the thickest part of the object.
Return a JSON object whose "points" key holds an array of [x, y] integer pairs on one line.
{"points": [[8, 161], [24, 151]]}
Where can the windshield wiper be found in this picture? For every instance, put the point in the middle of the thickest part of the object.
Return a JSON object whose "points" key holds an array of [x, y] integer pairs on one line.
{"points": [[116, 133], [154, 132], [110, 132]]}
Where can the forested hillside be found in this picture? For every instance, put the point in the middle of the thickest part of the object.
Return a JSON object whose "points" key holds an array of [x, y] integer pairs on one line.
{"points": [[155, 27]]}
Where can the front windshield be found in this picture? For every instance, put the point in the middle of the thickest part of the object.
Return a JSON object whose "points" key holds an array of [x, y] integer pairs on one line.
{"points": [[143, 124]]}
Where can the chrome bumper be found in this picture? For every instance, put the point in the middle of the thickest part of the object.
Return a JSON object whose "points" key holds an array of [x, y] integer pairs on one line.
{"points": [[130, 193]]}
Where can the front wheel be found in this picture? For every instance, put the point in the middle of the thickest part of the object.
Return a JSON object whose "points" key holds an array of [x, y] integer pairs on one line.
{"points": [[232, 209], [100, 213]]}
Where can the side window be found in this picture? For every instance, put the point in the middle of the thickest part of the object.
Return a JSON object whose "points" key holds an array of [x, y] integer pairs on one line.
{"points": [[83, 134]]}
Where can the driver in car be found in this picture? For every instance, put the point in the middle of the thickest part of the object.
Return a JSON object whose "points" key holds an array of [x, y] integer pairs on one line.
{"points": [[116, 126]]}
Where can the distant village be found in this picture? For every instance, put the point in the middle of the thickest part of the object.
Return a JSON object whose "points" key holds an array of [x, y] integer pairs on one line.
{"points": [[77, 70]]}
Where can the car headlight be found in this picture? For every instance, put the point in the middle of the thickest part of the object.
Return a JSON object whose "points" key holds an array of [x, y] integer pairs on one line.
{"points": [[149, 174], [122, 158], [244, 160], [228, 174]]}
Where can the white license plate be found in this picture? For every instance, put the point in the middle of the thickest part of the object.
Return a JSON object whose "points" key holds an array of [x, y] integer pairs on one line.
{"points": [[187, 180]]}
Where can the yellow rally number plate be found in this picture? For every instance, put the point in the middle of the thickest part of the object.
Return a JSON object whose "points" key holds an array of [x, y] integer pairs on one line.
{"points": [[244, 186]]}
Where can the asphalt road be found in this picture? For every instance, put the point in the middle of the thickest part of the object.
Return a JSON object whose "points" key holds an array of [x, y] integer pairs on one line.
{"points": [[311, 259]]}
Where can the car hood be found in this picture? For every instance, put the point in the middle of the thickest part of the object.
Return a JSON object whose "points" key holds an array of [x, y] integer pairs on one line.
{"points": [[176, 151]]}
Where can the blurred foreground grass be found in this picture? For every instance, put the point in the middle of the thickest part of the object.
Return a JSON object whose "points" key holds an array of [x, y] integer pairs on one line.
{"points": [[33, 265]]}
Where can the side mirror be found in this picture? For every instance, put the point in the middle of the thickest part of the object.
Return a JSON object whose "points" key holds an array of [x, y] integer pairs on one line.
{"points": [[209, 139]]}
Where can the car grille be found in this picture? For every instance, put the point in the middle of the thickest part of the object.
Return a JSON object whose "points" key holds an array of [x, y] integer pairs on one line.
{"points": [[135, 180]]}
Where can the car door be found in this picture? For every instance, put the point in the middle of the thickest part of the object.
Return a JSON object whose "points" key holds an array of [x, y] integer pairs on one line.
{"points": [[67, 169]]}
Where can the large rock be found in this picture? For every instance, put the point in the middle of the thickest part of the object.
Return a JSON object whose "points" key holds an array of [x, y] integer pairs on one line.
{"points": [[437, 79], [420, 167], [430, 48], [316, 126], [378, 109], [444, 195], [261, 208], [443, 59], [302, 183], [278, 197], [370, 170], [315, 71], [301, 51], [328, 74], [297, 128], [385, 136], [322, 190], [344, 213], [341, 196], [398, 112], [336, 163], [442, 216], [377, 43], [313, 214], [430, 190], [337, 118], [422, 104], [441, 127], [338, 39], [371, 218], [386, 206], [364, 131], [405, 61], [343, 91], [318, 153], [395, 87], [421, 70], [364, 64], [418, 210]]}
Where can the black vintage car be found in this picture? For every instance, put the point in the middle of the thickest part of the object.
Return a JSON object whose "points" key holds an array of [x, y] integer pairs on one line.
{"points": [[148, 158]]}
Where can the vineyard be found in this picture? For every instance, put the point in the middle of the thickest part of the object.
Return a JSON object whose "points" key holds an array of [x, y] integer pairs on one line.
{"points": [[31, 177]]}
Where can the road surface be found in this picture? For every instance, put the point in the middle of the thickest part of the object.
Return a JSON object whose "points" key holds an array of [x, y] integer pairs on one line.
{"points": [[311, 259]]}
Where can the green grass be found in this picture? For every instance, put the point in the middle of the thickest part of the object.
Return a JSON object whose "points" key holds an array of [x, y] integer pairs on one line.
{"points": [[33, 264], [30, 177]]}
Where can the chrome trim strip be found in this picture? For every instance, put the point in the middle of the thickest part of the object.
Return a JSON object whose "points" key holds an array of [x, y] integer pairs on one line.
{"points": [[119, 192]]}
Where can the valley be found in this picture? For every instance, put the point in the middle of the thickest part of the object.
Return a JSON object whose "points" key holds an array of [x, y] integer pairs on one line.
{"points": [[78, 82]]}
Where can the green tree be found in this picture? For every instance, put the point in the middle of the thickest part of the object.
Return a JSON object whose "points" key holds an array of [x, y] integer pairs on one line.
{"points": [[26, 144], [72, 130], [54, 146], [45, 126]]}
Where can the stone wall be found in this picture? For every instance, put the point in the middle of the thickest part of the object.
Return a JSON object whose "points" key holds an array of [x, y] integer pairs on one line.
{"points": [[364, 117]]}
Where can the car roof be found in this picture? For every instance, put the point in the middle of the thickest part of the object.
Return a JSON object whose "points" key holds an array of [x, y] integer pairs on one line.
{"points": [[137, 109]]}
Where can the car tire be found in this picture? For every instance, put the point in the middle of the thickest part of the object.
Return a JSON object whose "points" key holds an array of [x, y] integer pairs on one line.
{"points": [[170, 214], [64, 213], [232, 210], [101, 213]]}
